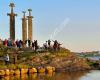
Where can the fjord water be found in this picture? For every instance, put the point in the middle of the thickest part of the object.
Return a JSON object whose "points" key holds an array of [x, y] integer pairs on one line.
{"points": [[82, 75]]}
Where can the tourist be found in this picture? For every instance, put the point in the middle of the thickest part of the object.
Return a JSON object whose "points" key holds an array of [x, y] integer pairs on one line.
{"points": [[5, 42], [55, 45], [29, 42], [35, 44], [6, 59], [17, 43], [49, 43], [20, 43], [45, 45], [9, 42]]}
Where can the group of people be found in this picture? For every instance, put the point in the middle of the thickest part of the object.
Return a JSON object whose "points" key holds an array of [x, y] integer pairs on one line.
{"points": [[56, 45], [48, 45], [35, 45], [18, 43], [31, 44], [12, 43]]}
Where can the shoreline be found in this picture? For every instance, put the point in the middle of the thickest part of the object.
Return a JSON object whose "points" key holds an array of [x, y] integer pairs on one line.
{"points": [[38, 70]]}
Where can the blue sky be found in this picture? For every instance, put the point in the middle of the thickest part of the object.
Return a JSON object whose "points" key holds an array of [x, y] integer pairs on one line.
{"points": [[81, 33]]}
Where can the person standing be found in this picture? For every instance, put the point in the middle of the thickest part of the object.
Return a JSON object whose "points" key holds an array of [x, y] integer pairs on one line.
{"points": [[5, 42], [35, 44], [55, 45], [20, 43], [49, 43], [29, 43], [17, 43], [45, 45], [9, 42]]}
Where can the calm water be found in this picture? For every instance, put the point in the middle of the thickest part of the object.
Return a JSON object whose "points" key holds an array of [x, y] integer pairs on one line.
{"points": [[91, 75], [94, 58]]}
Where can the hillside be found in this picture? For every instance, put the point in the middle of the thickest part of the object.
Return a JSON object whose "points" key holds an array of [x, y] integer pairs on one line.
{"points": [[62, 60]]}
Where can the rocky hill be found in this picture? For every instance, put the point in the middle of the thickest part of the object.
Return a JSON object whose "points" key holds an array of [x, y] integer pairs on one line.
{"points": [[62, 60]]}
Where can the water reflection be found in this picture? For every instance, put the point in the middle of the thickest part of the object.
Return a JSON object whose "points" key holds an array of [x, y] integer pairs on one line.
{"points": [[92, 75], [56, 76]]}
